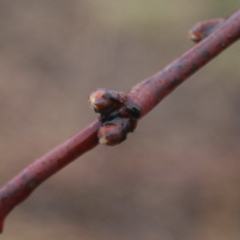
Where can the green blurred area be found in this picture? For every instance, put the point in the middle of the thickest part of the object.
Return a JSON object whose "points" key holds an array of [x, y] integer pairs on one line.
{"points": [[176, 178]]}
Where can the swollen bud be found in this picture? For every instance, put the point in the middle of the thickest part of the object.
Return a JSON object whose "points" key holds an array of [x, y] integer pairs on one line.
{"points": [[117, 115], [203, 29], [104, 101], [111, 135], [101, 101]]}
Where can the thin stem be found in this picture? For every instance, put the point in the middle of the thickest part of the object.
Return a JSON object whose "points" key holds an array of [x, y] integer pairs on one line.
{"points": [[148, 93], [21, 186], [145, 95]]}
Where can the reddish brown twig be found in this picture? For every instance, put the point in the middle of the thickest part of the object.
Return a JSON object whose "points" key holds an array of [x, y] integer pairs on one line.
{"points": [[20, 187], [122, 118], [148, 93]]}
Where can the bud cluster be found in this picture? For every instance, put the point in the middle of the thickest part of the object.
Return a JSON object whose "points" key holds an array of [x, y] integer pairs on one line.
{"points": [[117, 115]]}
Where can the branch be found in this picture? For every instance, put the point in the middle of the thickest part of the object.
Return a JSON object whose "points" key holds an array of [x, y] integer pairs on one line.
{"points": [[120, 111], [22, 185]]}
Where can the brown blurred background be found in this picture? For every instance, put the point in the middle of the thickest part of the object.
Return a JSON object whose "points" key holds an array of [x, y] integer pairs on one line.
{"points": [[176, 178]]}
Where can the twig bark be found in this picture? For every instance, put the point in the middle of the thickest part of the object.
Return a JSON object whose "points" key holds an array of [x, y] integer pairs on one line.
{"points": [[143, 97], [22, 185], [148, 93]]}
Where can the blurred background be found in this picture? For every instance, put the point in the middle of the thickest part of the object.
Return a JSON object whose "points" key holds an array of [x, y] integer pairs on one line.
{"points": [[176, 178]]}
